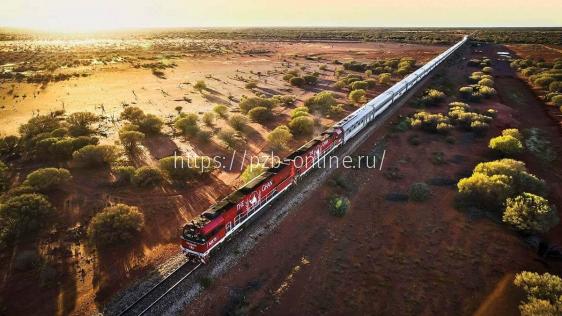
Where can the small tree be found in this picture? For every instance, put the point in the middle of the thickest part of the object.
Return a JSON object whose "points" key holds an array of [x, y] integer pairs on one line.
{"points": [[26, 212], [80, 123], [357, 96], [221, 110], [252, 171], [131, 140], [530, 213], [95, 155], [115, 225], [238, 122], [46, 179], [302, 126], [260, 114], [147, 177], [38, 125], [506, 145], [187, 123], [279, 137]]}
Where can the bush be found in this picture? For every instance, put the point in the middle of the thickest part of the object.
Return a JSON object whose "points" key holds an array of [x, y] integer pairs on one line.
{"points": [[543, 293], [486, 92], [357, 96], [200, 85], [238, 122], [557, 100], [46, 179], [251, 85], [506, 145], [209, 119], [147, 177], [359, 85], [131, 139], [487, 70], [248, 104], [431, 97], [321, 101], [419, 192], [279, 137], [133, 114], [260, 114], [530, 213], [115, 225], [187, 124], [513, 132], [124, 174], [180, 169], [486, 82], [229, 138], [555, 86], [151, 124], [80, 123], [38, 125], [385, 78], [302, 126], [95, 155], [221, 110], [310, 80], [26, 212], [252, 171], [297, 81], [300, 111], [338, 205]]}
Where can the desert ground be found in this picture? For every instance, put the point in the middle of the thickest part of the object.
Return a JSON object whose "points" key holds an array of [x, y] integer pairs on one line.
{"points": [[389, 257], [105, 78]]}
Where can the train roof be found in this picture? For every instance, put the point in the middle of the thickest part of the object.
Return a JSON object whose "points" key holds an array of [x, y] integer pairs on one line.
{"points": [[303, 149]]}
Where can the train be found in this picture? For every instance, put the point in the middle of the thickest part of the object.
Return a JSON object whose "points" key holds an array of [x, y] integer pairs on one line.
{"points": [[206, 232]]}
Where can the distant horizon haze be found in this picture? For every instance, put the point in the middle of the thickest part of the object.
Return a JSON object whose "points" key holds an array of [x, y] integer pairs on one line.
{"points": [[68, 16]]}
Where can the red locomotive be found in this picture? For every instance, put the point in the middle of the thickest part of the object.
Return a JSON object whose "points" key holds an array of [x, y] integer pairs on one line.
{"points": [[208, 230]]}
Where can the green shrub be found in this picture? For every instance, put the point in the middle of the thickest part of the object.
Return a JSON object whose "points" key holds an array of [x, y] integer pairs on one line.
{"points": [[486, 82], [321, 101], [487, 70], [95, 155], [131, 139], [506, 145], [124, 174], [238, 122], [310, 80], [537, 143], [557, 100], [300, 111], [180, 169], [147, 177], [285, 100], [530, 213], [187, 124], [338, 205], [297, 81], [555, 86], [513, 132], [46, 179], [209, 118], [260, 114], [419, 192], [26, 213], [543, 292], [486, 92], [359, 85], [252, 171], [431, 97], [279, 137], [221, 110], [251, 85], [302, 126], [38, 125], [384, 78], [115, 225], [430, 121], [357, 96], [133, 114], [80, 123], [248, 104], [200, 85], [151, 124], [9, 145]]}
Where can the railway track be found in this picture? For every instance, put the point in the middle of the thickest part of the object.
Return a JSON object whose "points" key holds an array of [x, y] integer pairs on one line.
{"points": [[143, 304]]}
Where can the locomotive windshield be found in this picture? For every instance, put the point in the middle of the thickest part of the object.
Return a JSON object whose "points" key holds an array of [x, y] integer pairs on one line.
{"points": [[192, 234]]}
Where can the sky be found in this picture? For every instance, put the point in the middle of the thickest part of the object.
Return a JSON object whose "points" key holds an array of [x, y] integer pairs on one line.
{"points": [[91, 15]]}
